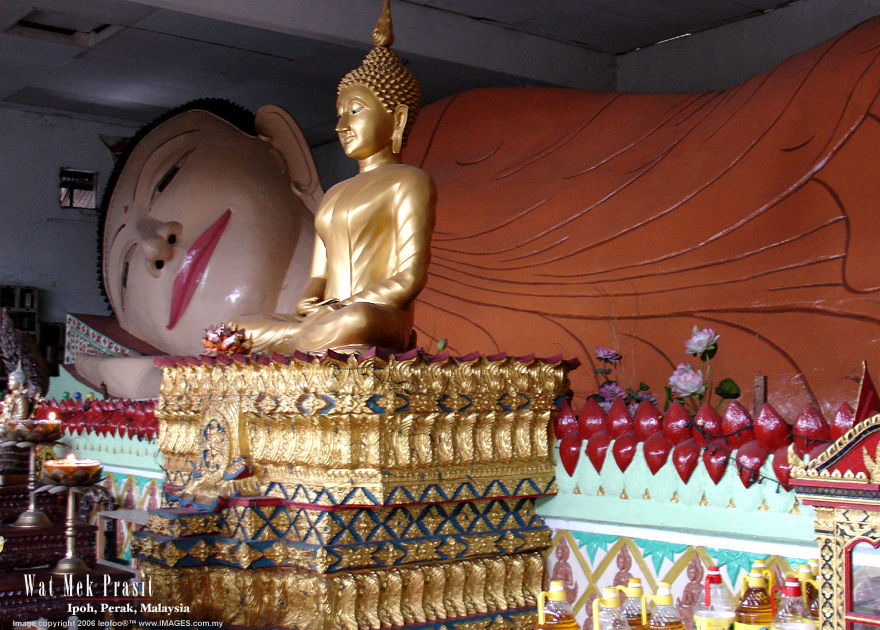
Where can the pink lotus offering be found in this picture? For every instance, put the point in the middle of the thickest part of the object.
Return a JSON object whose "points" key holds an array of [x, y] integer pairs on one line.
{"points": [[71, 471]]}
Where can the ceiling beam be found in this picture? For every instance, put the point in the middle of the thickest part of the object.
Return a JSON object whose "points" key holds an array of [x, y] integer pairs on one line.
{"points": [[452, 37]]}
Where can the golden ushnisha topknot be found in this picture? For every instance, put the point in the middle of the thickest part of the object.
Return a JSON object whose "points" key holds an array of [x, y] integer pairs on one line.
{"points": [[384, 73]]}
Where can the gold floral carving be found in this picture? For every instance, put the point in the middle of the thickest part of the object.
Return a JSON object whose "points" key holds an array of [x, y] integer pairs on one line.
{"points": [[388, 434], [389, 554], [225, 552], [277, 553], [452, 547], [482, 546], [358, 556], [350, 424], [353, 599], [201, 550], [422, 551], [173, 554], [246, 555]]}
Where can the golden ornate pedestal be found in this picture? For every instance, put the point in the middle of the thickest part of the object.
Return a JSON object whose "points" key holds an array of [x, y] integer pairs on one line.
{"points": [[355, 492]]}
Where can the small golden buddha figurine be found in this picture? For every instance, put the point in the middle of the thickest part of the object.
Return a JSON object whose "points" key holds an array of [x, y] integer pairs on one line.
{"points": [[16, 405], [373, 230]]}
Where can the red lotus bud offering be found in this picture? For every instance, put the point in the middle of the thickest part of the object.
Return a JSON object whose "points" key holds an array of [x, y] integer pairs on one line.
{"points": [[749, 459], [715, 460], [656, 451], [597, 447], [843, 420], [591, 418], [771, 431], [781, 467], [707, 425], [810, 429], [618, 421], [570, 452], [737, 425], [677, 423], [647, 421], [565, 422], [624, 450], [685, 458]]}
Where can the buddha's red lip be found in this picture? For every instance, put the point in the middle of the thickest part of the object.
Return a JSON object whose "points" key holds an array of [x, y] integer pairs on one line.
{"points": [[193, 266]]}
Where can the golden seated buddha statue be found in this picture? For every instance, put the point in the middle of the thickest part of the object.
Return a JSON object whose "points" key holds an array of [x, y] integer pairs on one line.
{"points": [[373, 230]]}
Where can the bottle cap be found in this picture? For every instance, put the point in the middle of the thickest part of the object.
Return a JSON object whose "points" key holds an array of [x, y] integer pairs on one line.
{"points": [[557, 591], [634, 587], [663, 596], [756, 578], [610, 599], [712, 577], [804, 571]]}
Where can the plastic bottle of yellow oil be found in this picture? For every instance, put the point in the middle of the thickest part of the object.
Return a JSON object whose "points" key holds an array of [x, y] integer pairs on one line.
{"points": [[665, 615], [554, 611], [607, 614], [634, 606], [755, 610]]}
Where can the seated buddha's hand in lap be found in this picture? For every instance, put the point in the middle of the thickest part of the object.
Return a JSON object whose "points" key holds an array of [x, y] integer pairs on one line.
{"points": [[311, 305]]}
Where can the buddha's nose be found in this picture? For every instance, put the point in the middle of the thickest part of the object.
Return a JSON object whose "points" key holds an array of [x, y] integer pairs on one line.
{"points": [[158, 240]]}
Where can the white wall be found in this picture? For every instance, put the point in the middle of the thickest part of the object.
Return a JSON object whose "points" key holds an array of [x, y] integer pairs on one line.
{"points": [[42, 245], [719, 58]]}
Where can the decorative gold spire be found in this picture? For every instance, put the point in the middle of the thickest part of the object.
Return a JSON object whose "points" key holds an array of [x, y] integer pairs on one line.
{"points": [[384, 73]]}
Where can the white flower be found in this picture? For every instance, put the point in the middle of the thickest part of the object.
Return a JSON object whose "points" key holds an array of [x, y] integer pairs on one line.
{"points": [[700, 340], [686, 381]]}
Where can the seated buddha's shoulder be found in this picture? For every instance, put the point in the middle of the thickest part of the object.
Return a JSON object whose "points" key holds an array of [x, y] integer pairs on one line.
{"points": [[406, 174]]}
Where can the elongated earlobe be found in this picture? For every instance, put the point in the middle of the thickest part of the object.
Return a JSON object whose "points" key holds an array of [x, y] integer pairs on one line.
{"points": [[400, 116], [278, 128]]}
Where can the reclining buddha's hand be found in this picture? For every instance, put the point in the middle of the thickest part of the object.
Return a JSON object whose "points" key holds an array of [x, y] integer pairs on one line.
{"points": [[226, 338]]}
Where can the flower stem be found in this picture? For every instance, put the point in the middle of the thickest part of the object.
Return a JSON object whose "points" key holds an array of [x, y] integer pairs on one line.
{"points": [[709, 390]]}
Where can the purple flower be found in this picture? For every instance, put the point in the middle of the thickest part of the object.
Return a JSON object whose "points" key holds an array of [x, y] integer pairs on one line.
{"points": [[607, 354], [686, 381], [610, 391], [605, 405], [701, 339], [651, 398]]}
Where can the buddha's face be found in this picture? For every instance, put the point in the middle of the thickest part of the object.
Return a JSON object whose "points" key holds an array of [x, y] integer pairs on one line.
{"points": [[201, 226], [364, 127]]}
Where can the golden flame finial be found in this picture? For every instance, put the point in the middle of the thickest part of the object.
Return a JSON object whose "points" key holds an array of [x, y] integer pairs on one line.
{"points": [[383, 34]]}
